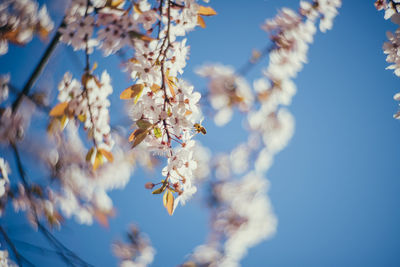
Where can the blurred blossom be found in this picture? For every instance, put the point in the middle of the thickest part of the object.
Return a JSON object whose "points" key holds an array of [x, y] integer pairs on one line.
{"points": [[138, 252], [202, 156], [242, 218], [242, 215], [21, 19], [89, 103], [391, 48], [4, 80], [226, 90], [84, 192], [14, 124], [5, 261], [4, 181]]}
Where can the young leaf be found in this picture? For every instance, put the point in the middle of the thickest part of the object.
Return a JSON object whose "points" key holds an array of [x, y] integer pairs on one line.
{"points": [[89, 155], [137, 35], [109, 156], [155, 88], [101, 217], [137, 9], [143, 124], [98, 161], [158, 191], [157, 132], [138, 136], [162, 188], [59, 109], [138, 96], [82, 118], [132, 136], [132, 91], [94, 67], [201, 21], [63, 122], [164, 199], [206, 11], [168, 200], [170, 81]]}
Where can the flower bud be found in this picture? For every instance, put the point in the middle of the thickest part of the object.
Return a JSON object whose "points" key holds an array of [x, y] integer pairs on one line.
{"points": [[149, 185]]}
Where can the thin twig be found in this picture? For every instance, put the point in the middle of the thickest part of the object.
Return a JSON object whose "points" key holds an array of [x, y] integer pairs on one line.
{"points": [[18, 257], [12, 246]]}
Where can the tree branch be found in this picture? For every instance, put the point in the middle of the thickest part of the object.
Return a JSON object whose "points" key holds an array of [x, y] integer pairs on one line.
{"points": [[38, 69]]}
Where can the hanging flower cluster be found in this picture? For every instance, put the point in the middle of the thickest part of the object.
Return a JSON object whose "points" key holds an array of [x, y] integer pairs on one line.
{"points": [[235, 225], [19, 20], [163, 106], [391, 48]]}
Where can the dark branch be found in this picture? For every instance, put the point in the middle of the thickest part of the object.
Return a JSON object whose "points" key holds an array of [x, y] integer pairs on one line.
{"points": [[38, 69]]}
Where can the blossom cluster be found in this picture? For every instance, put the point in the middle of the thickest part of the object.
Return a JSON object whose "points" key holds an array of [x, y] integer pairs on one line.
{"points": [[19, 20], [391, 48], [138, 252], [390, 7], [106, 24], [87, 101]]}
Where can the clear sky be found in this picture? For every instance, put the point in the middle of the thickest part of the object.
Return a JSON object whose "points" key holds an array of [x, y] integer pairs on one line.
{"points": [[335, 189]]}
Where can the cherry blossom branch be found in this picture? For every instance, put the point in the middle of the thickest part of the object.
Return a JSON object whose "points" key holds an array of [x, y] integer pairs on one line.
{"points": [[39, 68]]}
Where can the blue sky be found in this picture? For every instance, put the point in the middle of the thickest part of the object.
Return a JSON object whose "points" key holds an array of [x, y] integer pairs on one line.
{"points": [[335, 189]]}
